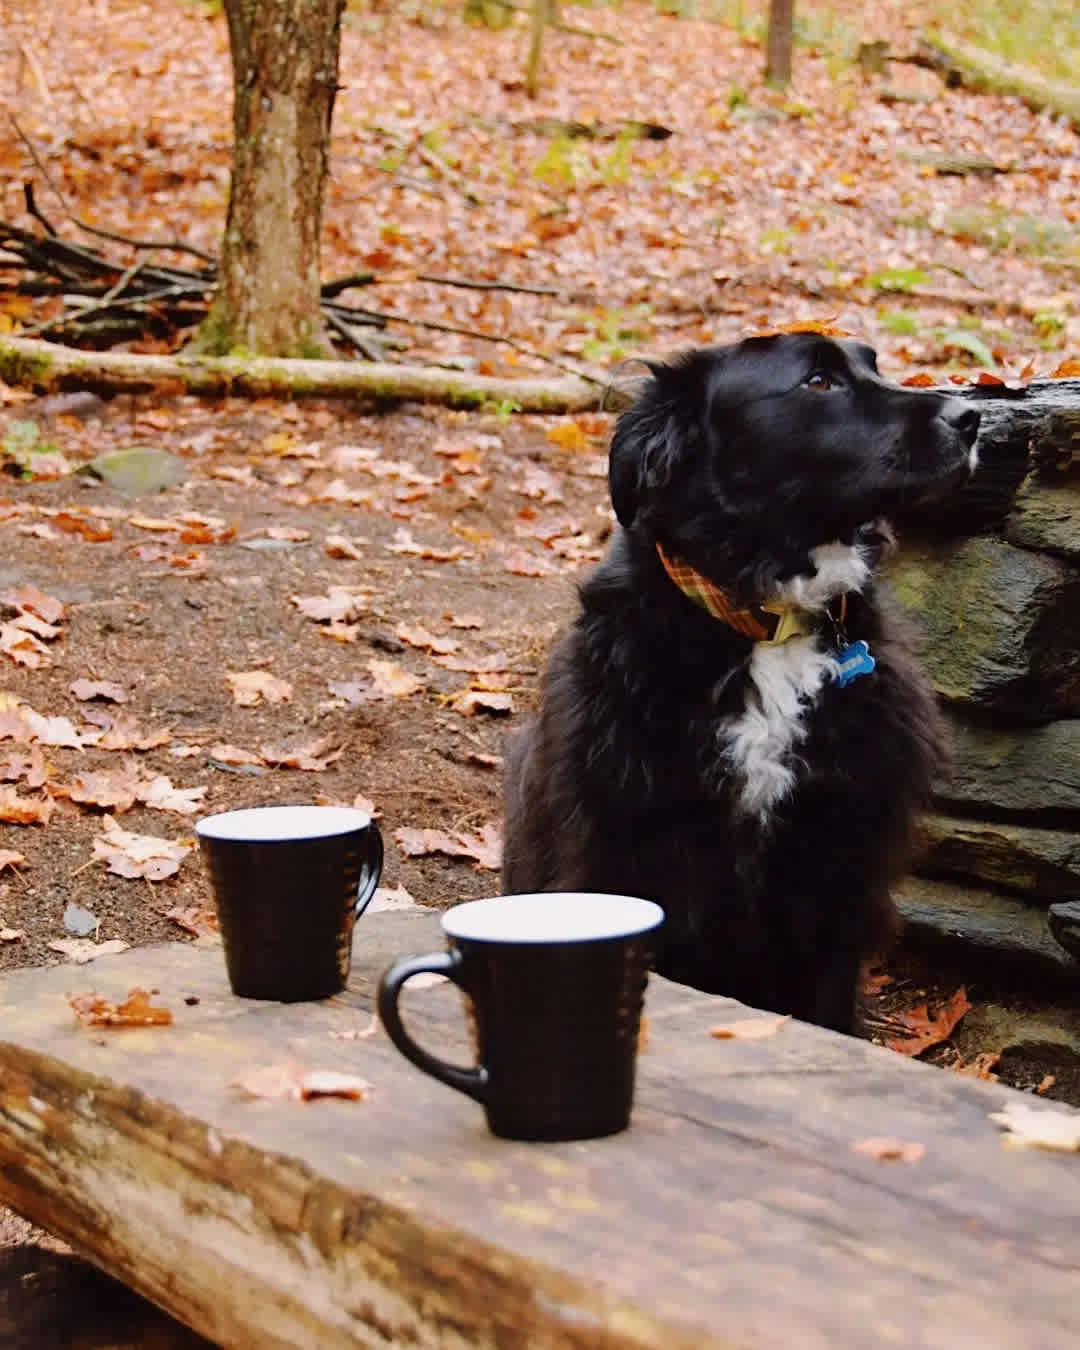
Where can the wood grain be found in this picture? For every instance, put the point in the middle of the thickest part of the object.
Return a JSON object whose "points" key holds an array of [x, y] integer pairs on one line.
{"points": [[733, 1212]]}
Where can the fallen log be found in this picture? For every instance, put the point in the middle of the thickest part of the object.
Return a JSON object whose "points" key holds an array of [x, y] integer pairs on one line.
{"points": [[50, 368], [974, 68]]}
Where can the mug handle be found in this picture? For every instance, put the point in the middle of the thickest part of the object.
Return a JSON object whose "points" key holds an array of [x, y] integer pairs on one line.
{"points": [[473, 1082], [369, 878]]}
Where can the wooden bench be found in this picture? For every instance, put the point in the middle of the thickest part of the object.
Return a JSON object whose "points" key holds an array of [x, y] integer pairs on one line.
{"points": [[733, 1213]]}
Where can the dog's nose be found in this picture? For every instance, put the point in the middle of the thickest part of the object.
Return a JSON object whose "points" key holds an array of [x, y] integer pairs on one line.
{"points": [[963, 419]]}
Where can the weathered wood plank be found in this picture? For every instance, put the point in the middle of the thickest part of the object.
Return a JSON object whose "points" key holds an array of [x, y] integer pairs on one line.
{"points": [[733, 1212]]}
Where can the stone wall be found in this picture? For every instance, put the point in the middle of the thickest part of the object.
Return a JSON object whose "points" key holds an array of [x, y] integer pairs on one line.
{"points": [[994, 583]]}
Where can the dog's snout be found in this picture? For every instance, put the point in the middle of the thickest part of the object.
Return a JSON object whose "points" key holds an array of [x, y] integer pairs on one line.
{"points": [[964, 420]]}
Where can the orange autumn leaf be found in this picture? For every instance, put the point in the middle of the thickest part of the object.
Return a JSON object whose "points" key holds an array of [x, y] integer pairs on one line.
{"points": [[16, 810], [93, 1010], [924, 1029], [920, 381], [569, 436], [484, 848], [250, 687], [1068, 369], [201, 923], [891, 1150]]}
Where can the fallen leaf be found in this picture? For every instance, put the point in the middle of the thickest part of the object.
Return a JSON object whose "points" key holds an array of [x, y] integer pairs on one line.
{"points": [[255, 686], [1068, 369], [139, 855], [200, 923], [81, 951], [54, 731], [338, 546], [525, 564], [748, 1028], [483, 760], [389, 680], [156, 524], [1046, 1082], [417, 636], [11, 934], [891, 1150], [920, 381], [484, 848], [16, 810], [463, 620], [339, 605], [471, 701], [36, 602], [109, 690], [405, 543], [10, 858], [110, 789], [292, 1082], [926, 1030], [30, 623], [92, 531], [93, 1010], [159, 794], [124, 733], [391, 898], [1039, 1127], [488, 664], [232, 754], [568, 436], [24, 766], [23, 648], [982, 1066], [313, 756]]}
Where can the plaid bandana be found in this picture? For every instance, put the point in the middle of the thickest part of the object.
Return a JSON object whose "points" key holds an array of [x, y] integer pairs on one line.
{"points": [[763, 623]]}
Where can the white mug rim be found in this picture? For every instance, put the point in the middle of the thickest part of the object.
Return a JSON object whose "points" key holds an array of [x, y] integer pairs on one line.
{"points": [[282, 823], [552, 917]]}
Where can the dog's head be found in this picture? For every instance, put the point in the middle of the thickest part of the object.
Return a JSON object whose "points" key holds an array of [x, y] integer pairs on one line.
{"points": [[742, 459]]}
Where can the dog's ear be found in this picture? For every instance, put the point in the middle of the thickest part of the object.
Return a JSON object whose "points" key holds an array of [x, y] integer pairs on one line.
{"points": [[658, 431]]}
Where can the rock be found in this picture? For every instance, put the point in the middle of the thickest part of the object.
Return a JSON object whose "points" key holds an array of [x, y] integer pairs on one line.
{"points": [[1042, 864], [79, 922], [1033, 773], [979, 920], [1002, 625], [1046, 517], [138, 471], [1064, 920]]}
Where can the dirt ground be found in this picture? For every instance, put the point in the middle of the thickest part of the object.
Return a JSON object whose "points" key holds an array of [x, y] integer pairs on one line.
{"points": [[166, 621]]}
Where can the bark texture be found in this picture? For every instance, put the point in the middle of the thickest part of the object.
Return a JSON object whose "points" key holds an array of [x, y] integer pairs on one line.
{"points": [[778, 46], [285, 73]]}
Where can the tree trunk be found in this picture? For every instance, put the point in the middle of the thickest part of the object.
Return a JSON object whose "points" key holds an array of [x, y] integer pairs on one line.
{"points": [[778, 49], [285, 72]]}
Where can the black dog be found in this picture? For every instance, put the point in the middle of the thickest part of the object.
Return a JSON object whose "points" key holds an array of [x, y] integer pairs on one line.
{"points": [[735, 727]]}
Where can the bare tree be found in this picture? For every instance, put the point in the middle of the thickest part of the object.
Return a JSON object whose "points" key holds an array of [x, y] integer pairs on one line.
{"points": [[778, 45], [285, 74]]}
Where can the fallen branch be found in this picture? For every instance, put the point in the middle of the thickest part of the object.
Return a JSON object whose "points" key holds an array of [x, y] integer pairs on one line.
{"points": [[49, 368], [984, 72]]}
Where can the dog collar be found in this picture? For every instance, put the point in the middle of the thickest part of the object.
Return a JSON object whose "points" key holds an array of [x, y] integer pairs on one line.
{"points": [[761, 623]]}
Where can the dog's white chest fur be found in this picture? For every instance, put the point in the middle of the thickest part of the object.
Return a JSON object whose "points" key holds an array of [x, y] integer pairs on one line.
{"points": [[786, 682]]}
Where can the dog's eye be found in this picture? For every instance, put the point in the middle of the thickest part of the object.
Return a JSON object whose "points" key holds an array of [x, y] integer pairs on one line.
{"points": [[821, 381]]}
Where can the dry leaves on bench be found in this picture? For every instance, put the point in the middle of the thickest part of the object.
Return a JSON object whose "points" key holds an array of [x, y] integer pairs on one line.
{"points": [[293, 1082], [1039, 1127], [748, 1028], [93, 1010]]}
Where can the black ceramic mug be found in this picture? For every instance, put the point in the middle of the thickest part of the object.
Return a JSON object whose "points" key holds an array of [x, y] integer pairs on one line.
{"points": [[290, 882], [554, 985]]}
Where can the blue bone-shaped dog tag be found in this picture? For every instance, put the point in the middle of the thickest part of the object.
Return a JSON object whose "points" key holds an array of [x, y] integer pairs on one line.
{"points": [[852, 661]]}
